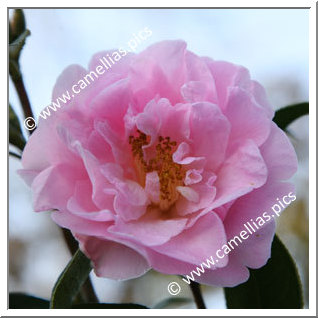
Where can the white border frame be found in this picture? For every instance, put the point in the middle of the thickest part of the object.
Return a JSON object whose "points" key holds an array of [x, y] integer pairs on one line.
{"points": [[312, 158]]}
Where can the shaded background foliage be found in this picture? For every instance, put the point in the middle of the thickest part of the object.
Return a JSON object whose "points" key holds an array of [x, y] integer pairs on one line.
{"points": [[273, 44]]}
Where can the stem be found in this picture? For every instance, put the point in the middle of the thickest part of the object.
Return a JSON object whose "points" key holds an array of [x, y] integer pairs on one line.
{"points": [[195, 288], [14, 68], [13, 154], [23, 96], [70, 241], [87, 290]]}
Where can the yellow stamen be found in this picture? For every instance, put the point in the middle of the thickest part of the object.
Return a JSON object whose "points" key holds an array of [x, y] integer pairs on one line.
{"points": [[170, 173]]}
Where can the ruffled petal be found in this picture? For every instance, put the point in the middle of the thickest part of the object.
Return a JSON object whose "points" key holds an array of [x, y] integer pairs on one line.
{"points": [[279, 155], [242, 172], [151, 229], [248, 120], [210, 131], [113, 260], [197, 243]]}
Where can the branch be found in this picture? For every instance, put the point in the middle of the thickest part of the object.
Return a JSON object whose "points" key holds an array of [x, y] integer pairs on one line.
{"points": [[13, 154], [195, 288]]}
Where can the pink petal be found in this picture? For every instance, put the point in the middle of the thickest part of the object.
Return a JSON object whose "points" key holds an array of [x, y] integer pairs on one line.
{"points": [[99, 183], [148, 82], [46, 134], [81, 204], [53, 186], [171, 121], [189, 194], [206, 194], [248, 121], [226, 75], [193, 176], [150, 229], [209, 131], [199, 84], [131, 199], [120, 67], [260, 96], [198, 70], [279, 155], [242, 172], [255, 251], [112, 104], [170, 55], [70, 76], [181, 157], [160, 69], [229, 276], [195, 91], [152, 187], [98, 147], [113, 260], [197, 243], [166, 264], [80, 225], [149, 125], [28, 175], [117, 142]]}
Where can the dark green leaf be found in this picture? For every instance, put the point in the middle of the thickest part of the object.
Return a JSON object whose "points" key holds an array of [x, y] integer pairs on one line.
{"points": [[284, 116], [274, 286], [108, 306], [70, 281], [172, 302], [15, 134], [24, 301]]}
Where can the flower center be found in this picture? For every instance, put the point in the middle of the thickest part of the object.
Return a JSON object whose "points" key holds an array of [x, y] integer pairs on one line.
{"points": [[170, 173]]}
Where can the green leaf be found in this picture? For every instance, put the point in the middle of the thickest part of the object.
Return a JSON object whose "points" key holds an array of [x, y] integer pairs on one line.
{"points": [[274, 286], [15, 134], [109, 306], [24, 301], [284, 116], [172, 302], [70, 281]]}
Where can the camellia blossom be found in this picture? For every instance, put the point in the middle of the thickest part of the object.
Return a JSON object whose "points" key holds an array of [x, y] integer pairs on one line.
{"points": [[159, 162]]}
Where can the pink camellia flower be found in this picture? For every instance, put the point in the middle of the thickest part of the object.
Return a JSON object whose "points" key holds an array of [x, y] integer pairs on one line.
{"points": [[159, 162]]}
